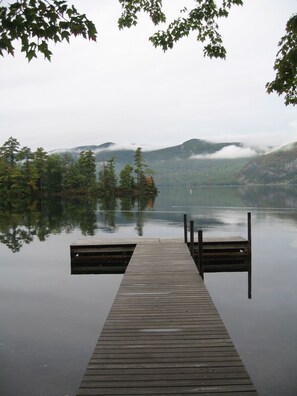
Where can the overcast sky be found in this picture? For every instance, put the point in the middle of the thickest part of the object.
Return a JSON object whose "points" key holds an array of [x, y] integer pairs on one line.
{"points": [[123, 90]]}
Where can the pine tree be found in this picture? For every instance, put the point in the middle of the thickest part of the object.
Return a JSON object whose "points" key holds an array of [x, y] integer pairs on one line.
{"points": [[107, 178], [126, 180], [139, 170], [87, 169]]}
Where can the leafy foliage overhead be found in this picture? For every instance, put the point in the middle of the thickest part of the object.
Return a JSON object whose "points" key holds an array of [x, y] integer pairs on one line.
{"points": [[202, 19], [35, 23], [285, 65]]}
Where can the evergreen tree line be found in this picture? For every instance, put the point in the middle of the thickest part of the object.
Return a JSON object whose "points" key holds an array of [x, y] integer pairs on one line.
{"points": [[25, 173]]}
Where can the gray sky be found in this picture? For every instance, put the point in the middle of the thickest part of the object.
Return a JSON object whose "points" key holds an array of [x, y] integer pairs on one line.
{"points": [[123, 90]]}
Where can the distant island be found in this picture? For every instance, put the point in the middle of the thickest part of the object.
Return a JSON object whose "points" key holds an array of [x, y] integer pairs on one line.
{"points": [[25, 174]]}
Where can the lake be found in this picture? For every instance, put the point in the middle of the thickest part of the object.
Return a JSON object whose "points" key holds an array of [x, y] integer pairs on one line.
{"points": [[51, 320]]}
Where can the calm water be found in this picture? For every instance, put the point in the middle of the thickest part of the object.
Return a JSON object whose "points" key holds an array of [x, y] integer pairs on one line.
{"points": [[50, 320]]}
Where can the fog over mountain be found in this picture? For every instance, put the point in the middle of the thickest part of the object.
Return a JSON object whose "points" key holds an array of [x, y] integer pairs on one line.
{"points": [[199, 162], [231, 151], [202, 149]]}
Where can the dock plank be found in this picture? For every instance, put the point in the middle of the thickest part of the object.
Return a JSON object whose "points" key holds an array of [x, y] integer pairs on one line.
{"points": [[163, 334]]}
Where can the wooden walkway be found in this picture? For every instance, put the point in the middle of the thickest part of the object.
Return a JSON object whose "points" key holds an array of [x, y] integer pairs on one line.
{"points": [[163, 335]]}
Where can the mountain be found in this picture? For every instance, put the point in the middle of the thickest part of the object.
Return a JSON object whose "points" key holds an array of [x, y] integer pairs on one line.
{"points": [[198, 162], [276, 167], [185, 150]]}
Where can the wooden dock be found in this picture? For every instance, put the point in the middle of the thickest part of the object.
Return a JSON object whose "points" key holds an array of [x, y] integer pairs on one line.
{"points": [[93, 257], [163, 335], [223, 254]]}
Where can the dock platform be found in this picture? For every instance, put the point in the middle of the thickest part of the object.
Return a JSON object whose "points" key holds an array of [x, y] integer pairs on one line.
{"points": [[164, 335]]}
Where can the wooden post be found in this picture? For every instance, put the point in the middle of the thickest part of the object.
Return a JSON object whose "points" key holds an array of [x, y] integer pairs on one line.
{"points": [[200, 253], [250, 282], [192, 237], [249, 220], [249, 227], [185, 229]]}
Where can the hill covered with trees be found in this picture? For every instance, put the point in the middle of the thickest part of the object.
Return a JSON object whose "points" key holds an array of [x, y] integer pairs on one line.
{"points": [[196, 163], [107, 169], [277, 167]]}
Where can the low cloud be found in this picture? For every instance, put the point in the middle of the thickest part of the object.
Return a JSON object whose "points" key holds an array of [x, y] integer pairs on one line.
{"points": [[111, 147], [129, 146], [229, 152]]}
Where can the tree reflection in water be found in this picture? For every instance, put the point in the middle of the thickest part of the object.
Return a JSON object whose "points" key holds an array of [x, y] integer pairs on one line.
{"points": [[21, 221]]}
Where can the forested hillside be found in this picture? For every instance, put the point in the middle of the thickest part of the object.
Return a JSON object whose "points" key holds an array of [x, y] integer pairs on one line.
{"points": [[107, 167], [191, 164], [276, 167], [176, 165], [197, 172]]}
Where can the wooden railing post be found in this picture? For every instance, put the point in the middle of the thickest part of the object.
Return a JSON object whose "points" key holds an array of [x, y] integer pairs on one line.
{"points": [[192, 238], [249, 219], [250, 283], [185, 229], [200, 253]]}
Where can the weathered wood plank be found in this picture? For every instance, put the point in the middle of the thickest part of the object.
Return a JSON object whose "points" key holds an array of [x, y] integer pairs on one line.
{"points": [[238, 390]]}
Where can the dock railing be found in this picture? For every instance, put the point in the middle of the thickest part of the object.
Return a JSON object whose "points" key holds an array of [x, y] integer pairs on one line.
{"points": [[230, 254]]}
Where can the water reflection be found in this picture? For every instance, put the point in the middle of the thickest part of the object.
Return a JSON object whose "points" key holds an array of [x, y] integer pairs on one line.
{"points": [[283, 196], [22, 221], [50, 320]]}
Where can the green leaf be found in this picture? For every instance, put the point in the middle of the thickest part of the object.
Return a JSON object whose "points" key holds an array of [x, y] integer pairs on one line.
{"points": [[31, 54]]}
